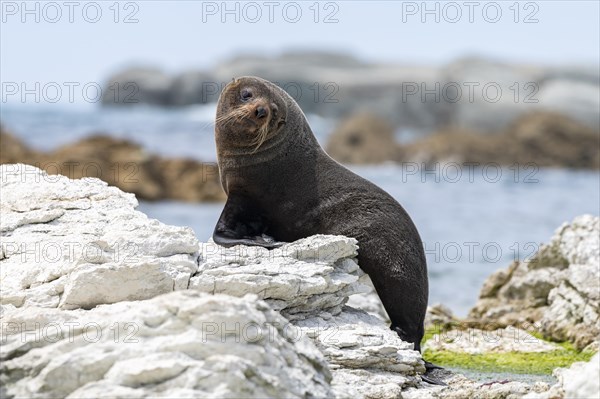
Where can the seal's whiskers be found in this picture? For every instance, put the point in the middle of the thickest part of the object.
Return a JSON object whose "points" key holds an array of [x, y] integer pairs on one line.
{"points": [[261, 135], [234, 116]]}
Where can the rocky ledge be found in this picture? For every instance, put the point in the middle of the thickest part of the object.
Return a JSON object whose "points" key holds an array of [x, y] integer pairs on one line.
{"points": [[98, 300]]}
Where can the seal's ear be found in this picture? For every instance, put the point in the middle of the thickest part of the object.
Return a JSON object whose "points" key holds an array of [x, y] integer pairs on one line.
{"points": [[281, 123]]}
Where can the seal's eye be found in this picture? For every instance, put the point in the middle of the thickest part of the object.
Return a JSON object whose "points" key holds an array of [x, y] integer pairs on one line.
{"points": [[246, 94]]}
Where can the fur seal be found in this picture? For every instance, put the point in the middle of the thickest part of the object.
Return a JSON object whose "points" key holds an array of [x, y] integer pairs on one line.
{"points": [[281, 186]]}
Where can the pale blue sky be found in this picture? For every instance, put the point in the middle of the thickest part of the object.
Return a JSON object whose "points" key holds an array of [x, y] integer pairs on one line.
{"points": [[173, 36]]}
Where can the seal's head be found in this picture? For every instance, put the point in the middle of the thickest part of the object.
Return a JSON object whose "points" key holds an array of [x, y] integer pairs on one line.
{"points": [[250, 112]]}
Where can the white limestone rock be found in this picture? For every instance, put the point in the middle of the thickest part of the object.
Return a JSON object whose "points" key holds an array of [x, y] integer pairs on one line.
{"points": [[580, 381], [79, 243], [181, 344], [557, 291], [355, 339], [309, 281], [367, 358], [368, 301], [72, 330], [301, 278], [460, 387]]}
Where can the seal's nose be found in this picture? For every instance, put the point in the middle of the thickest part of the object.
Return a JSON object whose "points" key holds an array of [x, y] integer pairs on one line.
{"points": [[261, 112]]}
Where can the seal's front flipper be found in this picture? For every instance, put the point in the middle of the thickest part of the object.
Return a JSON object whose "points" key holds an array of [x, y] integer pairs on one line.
{"points": [[268, 241], [242, 223]]}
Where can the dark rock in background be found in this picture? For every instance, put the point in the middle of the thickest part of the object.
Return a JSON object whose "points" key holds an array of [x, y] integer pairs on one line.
{"points": [[540, 138], [124, 164], [363, 139]]}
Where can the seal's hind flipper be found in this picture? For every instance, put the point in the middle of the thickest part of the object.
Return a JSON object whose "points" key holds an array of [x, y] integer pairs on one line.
{"points": [[430, 366], [435, 374], [432, 380]]}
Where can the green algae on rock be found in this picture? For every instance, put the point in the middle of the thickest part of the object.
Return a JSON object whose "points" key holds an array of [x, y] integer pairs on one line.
{"points": [[513, 362]]}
